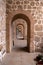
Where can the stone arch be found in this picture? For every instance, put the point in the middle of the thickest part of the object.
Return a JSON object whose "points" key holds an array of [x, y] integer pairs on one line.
{"points": [[30, 28], [24, 17], [22, 29], [21, 16]]}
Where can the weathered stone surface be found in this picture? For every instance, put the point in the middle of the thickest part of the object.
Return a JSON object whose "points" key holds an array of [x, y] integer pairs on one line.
{"points": [[35, 7], [39, 22], [36, 0], [29, 7], [3, 22], [9, 1], [20, 7], [38, 27], [41, 3], [40, 34], [42, 40], [25, 2], [25, 6], [21, 2], [32, 3], [37, 38], [32, 6], [37, 3], [18, 2], [8, 6]]}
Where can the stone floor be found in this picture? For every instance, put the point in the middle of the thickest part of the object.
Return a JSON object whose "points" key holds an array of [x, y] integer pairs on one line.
{"points": [[19, 56]]}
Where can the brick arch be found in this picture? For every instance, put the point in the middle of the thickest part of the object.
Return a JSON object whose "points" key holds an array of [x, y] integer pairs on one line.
{"points": [[30, 28]]}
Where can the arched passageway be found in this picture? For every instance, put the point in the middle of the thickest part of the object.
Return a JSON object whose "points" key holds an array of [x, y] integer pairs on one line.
{"points": [[26, 16], [19, 35]]}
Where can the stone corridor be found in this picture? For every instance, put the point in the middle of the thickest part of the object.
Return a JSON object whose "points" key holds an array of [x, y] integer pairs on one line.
{"points": [[19, 58], [19, 55], [23, 20]]}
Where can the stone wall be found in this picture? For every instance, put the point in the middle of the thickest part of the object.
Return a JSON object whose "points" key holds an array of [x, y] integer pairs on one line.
{"points": [[2, 22], [35, 7]]}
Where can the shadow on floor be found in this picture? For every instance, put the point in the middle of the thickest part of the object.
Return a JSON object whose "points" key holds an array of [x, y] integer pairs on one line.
{"points": [[24, 49]]}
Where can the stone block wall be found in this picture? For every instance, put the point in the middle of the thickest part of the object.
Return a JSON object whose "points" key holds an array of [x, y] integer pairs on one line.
{"points": [[2, 22], [35, 7]]}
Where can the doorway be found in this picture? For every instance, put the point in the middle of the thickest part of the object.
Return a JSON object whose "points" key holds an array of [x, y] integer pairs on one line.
{"points": [[27, 17], [21, 38], [19, 35]]}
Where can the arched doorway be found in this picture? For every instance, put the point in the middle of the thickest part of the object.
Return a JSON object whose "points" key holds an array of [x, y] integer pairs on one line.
{"points": [[24, 17], [30, 28], [19, 35], [20, 31]]}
